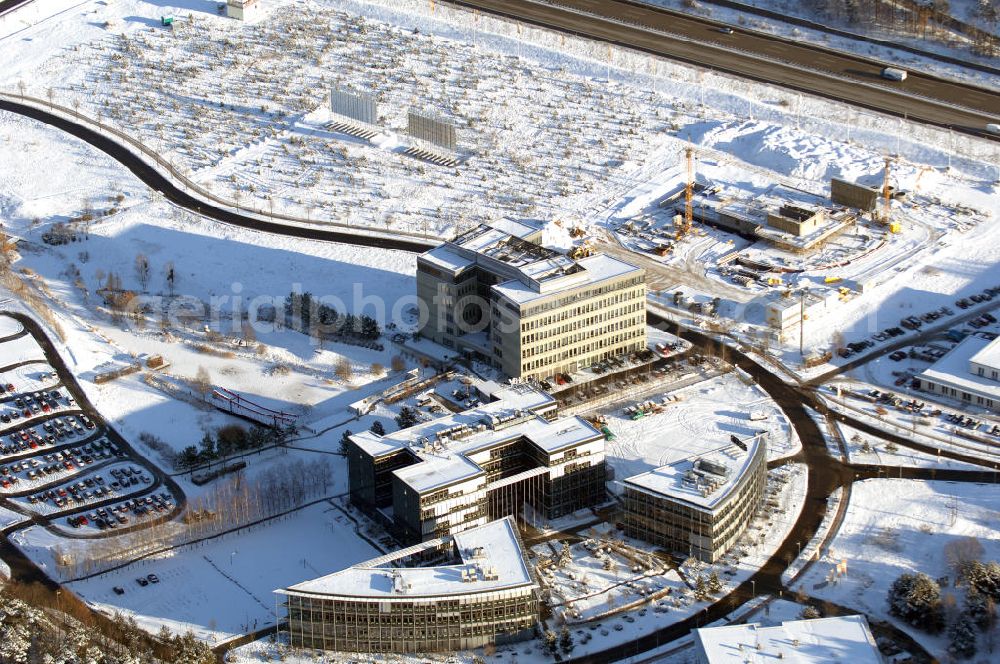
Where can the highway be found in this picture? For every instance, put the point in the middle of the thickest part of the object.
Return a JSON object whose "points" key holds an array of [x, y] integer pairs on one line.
{"points": [[11, 5], [765, 58]]}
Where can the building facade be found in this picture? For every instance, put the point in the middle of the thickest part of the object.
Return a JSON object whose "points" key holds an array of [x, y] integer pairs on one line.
{"points": [[460, 471], [699, 507], [495, 293], [480, 592], [969, 372]]}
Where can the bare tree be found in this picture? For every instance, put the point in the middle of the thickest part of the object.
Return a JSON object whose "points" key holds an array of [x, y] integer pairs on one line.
{"points": [[142, 270], [171, 276], [249, 336], [397, 363], [343, 370], [961, 551], [203, 382]]}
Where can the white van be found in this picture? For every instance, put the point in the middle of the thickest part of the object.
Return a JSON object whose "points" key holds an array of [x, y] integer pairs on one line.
{"points": [[894, 74], [993, 128]]}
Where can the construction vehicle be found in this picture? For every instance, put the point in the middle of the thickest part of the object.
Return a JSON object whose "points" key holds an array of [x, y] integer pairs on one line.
{"points": [[831, 280]]}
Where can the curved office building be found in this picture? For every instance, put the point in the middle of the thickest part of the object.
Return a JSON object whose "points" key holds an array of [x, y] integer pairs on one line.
{"points": [[471, 589], [699, 506]]}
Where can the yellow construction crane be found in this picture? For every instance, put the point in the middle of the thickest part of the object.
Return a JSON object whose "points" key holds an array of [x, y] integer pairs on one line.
{"points": [[688, 220], [894, 227]]}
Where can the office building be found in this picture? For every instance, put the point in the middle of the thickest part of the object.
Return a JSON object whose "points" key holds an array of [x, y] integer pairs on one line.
{"points": [[495, 294]]}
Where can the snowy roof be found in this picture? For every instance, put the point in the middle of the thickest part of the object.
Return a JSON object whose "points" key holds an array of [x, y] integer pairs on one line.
{"points": [[596, 269], [838, 640], [443, 444], [702, 481], [988, 355], [492, 553], [446, 259], [954, 370], [527, 270]]}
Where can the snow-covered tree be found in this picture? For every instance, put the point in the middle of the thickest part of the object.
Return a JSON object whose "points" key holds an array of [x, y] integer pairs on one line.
{"points": [[980, 608], [916, 599], [962, 637], [714, 583]]}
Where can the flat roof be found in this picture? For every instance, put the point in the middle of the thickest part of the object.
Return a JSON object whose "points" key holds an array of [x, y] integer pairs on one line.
{"points": [[539, 271], [701, 480], [953, 369], [989, 355], [837, 640], [446, 259], [491, 552], [442, 445], [596, 269]]}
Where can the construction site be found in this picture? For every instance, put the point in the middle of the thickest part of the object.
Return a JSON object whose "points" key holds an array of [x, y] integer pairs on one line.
{"points": [[772, 252]]}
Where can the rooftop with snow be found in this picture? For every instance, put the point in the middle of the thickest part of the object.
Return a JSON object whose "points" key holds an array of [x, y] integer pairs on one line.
{"points": [[443, 444], [534, 271], [704, 479], [838, 640], [488, 558], [972, 367]]}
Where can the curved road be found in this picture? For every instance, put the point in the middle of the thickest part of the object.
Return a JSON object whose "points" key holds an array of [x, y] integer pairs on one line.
{"points": [[157, 181], [761, 57]]}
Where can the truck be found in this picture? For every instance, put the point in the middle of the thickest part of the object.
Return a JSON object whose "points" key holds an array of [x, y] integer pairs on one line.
{"points": [[894, 74]]}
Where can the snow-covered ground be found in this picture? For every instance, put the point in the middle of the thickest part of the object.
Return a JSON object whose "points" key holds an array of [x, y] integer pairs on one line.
{"points": [[865, 449], [223, 587], [897, 526]]}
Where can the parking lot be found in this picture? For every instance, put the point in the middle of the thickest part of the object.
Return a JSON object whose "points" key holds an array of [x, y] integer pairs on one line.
{"points": [[59, 463], [914, 323]]}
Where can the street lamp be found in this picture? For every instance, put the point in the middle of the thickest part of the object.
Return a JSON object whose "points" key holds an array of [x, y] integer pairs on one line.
{"points": [[753, 586], [231, 558]]}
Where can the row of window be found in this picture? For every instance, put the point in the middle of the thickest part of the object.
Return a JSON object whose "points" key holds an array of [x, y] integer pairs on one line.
{"points": [[589, 293], [965, 396], [636, 297], [588, 331], [585, 348]]}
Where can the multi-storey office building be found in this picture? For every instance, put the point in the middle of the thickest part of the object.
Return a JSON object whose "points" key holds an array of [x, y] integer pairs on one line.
{"points": [[699, 506], [464, 469], [495, 293], [483, 592]]}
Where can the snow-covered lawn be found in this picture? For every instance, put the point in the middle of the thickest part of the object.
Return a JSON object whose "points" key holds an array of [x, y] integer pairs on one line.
{"points": [[877, 452], [224, 587], [895, 526]]}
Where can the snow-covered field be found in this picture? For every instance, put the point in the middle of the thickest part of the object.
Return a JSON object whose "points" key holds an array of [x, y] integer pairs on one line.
{"points": [[896, 526], [223, 587]]}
